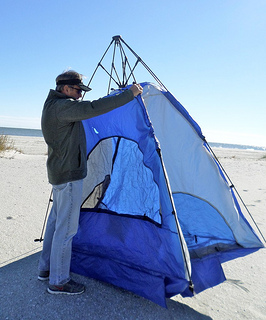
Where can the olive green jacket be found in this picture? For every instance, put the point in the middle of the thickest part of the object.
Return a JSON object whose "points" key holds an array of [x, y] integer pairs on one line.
{"points": [[64, 133]]}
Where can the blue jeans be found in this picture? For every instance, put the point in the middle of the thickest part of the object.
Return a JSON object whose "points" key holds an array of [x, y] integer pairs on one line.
{"points": [[61, 227]]}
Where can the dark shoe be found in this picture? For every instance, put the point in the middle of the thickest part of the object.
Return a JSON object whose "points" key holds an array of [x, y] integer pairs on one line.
{"points": [[71, 288], [43, 275]]}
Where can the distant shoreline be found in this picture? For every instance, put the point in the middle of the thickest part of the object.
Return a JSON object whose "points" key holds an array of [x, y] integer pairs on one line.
{"points": [[38, 133], [21, 132]]}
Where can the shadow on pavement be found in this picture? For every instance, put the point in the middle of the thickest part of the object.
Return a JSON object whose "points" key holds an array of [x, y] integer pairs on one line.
{"points": [[22, 296]]}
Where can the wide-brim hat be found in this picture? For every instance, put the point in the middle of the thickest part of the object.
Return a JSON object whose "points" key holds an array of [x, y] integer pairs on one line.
{"points": [[77, 82]]}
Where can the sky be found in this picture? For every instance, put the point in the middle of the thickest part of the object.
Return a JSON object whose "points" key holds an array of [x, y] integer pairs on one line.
{"points": [[210, 54]]}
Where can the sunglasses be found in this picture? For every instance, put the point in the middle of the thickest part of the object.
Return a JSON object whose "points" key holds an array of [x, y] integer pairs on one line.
{"points": [[79, 91]]}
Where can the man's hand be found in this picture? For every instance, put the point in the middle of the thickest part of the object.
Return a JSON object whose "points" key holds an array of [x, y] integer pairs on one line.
{"points": [[136, 89]]}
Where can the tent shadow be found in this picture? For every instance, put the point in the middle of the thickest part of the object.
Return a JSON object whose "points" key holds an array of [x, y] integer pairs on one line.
{"points": [[24, 297]]}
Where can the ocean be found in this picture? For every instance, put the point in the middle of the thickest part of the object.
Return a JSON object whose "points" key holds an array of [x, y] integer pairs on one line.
{"points": [[38, 133], [235, 146], [20, 132]]}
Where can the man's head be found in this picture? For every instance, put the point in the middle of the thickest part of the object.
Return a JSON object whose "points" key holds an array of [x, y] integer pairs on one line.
{"points": [[70, 83]]}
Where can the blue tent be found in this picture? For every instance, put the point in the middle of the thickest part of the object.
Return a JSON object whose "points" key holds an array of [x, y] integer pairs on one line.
{"points": [[158, 216]]}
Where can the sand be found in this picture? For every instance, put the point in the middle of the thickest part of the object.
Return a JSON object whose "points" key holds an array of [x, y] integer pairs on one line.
{"points": [[24, 192]]}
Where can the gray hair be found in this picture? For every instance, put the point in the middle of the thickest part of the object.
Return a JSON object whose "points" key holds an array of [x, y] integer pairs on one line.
{"points": [[67, 75]]}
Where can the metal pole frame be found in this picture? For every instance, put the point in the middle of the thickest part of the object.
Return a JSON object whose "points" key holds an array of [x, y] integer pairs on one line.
{"points": [[119, 45]]}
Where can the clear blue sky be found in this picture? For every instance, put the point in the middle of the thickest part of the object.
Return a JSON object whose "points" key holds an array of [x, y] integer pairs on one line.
{"points": [[210, 54]]}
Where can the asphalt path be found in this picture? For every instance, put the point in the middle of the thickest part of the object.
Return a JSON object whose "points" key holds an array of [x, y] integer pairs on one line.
{"points": [[23, 296]]}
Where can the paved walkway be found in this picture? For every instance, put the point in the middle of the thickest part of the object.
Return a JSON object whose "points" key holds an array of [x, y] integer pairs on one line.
{"points": [[22, 296]]}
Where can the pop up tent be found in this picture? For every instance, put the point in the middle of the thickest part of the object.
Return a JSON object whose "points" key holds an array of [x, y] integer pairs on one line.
{"points": [[159, 216]]}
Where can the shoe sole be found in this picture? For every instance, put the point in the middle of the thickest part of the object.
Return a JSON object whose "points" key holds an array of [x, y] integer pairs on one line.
{"points": [[64, 292], [43, 278]]}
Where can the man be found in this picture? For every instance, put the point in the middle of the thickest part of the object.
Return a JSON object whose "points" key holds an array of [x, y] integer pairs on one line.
{"points": [[66, 166]]}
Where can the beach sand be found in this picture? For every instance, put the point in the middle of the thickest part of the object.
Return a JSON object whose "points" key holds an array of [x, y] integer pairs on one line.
{"points": [[25, 191]]}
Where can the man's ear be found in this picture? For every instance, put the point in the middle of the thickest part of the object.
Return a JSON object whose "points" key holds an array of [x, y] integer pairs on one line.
{"points": [[65, 90]]}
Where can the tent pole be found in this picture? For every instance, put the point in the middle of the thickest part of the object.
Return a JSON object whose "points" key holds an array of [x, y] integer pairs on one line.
{"points": [[45, 218], [118, 41], [100, 61], [232, 186], [144, 64], [191, 286], [111, 71]]}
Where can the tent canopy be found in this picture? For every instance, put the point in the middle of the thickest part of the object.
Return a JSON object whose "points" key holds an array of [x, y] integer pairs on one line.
{"points": [[158, 214]]}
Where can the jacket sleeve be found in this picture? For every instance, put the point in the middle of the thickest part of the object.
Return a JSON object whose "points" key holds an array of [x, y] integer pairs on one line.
{"points": [[74, 110]]}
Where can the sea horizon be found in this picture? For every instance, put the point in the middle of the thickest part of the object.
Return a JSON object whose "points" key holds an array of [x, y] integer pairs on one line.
{"points": [[38, 133]]}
